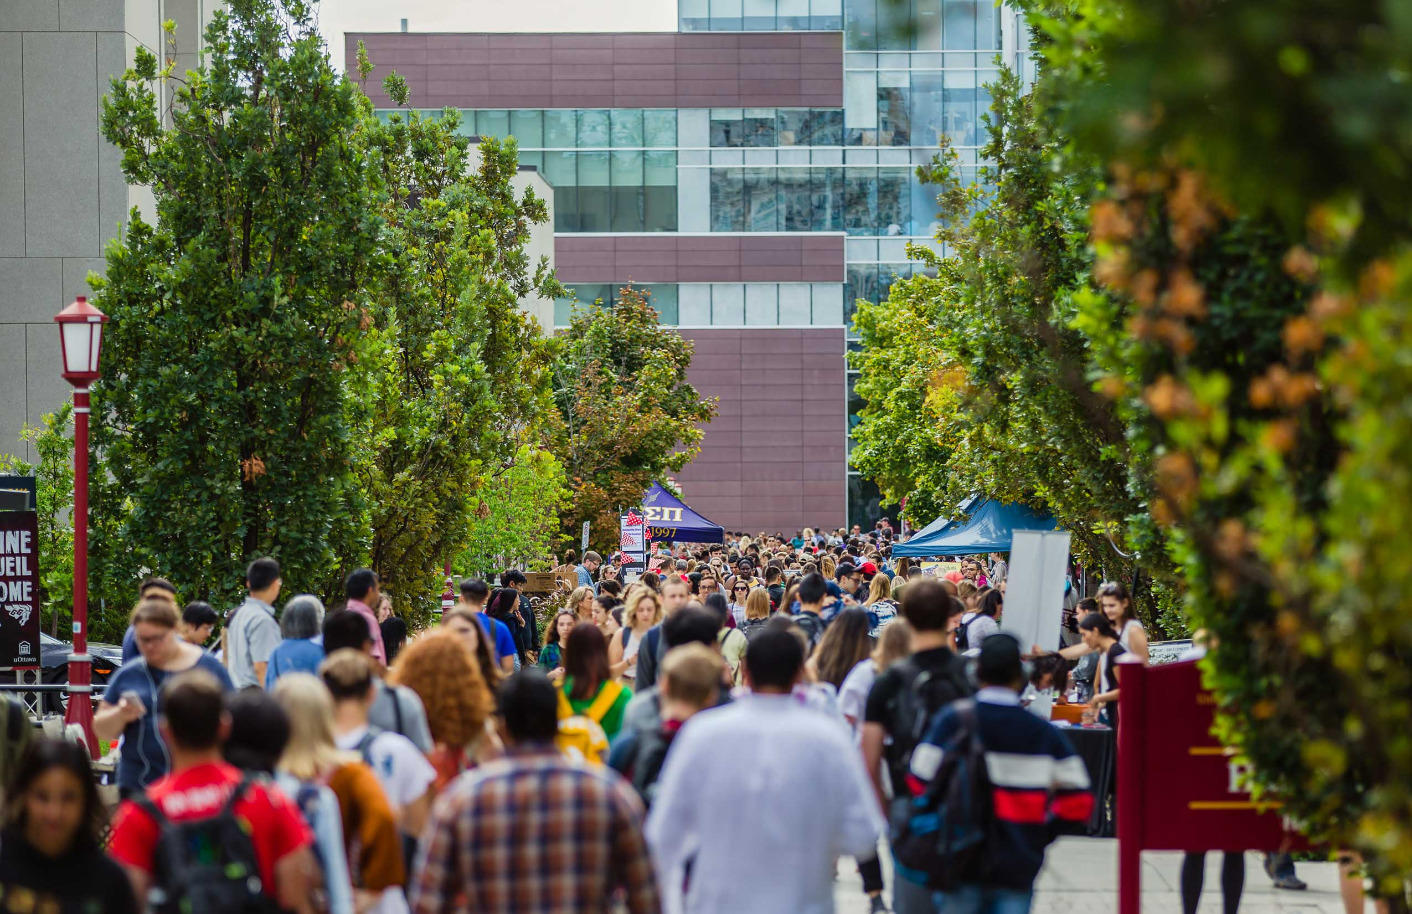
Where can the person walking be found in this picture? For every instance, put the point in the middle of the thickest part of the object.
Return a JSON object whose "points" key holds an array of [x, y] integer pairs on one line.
{"points": [[300, 651], [51, 854], [556, 636], [1034, 777], [903, 701], [252, 633], [757, 612], [641, 611], [589, 689], [396, 709], [392, 626], [534, 831], [691, 683], [585, 570], [813, 592], [129, 706], [361, 587], [474, 595], [275, 842], [750, 752], [458, 700], [676, 594]]}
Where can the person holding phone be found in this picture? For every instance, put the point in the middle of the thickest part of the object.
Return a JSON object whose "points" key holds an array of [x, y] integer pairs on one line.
{"points": [[162, 653]]}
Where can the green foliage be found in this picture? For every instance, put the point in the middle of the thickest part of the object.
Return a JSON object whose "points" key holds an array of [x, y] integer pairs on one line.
{"points": [[517, 520], [627, 415], [54, 502], [461, 385]]}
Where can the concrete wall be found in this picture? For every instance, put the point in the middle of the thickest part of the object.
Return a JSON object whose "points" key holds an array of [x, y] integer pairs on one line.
{"points": [[62, 193], [774, 458], [541, 244]]}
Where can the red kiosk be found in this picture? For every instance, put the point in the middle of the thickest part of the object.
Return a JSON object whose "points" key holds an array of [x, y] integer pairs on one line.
{"points": [[1178, 788]]}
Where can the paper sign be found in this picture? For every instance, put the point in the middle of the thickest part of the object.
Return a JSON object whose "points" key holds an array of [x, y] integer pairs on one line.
{"points": [[1034, 589]]}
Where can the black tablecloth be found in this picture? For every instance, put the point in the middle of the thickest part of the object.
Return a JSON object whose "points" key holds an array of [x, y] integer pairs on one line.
{"points": [[1098, 746]]}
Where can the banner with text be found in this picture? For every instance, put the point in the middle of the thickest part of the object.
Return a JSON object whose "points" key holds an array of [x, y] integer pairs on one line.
{"points": [[633, 543], [19, 589]]}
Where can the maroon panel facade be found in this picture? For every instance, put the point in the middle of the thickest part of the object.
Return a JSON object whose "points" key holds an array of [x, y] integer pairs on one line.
{"points": [[774, 458], [806, 257], [648, 70]]}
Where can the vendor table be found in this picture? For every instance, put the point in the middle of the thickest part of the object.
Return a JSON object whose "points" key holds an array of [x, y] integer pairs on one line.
{"points": [[1098, 746]]}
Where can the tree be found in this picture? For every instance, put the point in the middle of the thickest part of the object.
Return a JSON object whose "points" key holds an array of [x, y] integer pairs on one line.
{"points": [[517, 520], [54, 503], [236, 357], [461, 390], [627, 415]]}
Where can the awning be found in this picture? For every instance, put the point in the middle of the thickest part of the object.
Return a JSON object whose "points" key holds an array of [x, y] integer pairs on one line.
{"points": [[672, 521], [990, 529]]}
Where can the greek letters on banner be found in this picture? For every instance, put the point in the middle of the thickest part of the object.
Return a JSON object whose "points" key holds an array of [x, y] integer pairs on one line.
{"points": [[19, 589]]}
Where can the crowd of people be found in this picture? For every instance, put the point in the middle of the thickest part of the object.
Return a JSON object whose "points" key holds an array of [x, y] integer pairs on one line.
{"points": [[712, 736]]}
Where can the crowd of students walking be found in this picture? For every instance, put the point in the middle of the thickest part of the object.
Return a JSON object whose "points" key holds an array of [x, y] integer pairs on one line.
{"points": [[711, 737]]}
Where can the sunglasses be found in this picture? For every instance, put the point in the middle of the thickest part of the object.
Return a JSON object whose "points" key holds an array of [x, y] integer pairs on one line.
{"points": [[741, 588]]}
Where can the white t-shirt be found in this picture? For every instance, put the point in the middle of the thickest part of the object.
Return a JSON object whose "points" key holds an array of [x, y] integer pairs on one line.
{"points": [[402, 770], [1125, 635], [853, 694]]}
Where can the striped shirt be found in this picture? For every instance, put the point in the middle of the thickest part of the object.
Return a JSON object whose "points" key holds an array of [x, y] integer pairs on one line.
{"points": [[535, 832], [1036, 782]]}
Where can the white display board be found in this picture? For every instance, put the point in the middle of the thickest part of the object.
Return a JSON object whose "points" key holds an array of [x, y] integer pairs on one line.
{"points": [[1034, 589]]}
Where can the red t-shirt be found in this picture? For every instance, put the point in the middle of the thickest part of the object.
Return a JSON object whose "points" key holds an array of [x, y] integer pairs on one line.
{"points": [[276, 825]]}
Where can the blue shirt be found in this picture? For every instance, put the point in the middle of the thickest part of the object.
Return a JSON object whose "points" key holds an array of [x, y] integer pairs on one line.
{"points": [[144, 756], [585, 578], [294, 655], [504, 641], [129, 644]]}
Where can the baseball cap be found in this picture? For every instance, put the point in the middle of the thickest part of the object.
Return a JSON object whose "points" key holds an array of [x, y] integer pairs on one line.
{"points": [[869, 569]]}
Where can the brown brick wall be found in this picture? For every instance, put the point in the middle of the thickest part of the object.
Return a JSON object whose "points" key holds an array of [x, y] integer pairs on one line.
{"points": [[699, 258], [649, 70], [774, 457]]}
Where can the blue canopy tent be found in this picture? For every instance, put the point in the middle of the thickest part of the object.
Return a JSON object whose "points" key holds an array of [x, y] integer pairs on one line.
{"points": [[990, 529], [672, 521]]}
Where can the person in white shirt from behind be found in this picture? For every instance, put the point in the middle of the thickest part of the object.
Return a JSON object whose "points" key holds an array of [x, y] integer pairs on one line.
{"points": [[793, 775], [404, 773]]}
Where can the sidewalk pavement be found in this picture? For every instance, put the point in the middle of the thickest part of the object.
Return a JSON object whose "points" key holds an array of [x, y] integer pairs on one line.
{"points": [[1080, 876]]}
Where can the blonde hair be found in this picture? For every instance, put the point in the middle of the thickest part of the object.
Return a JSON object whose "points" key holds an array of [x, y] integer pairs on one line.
{"points": [[880, 589], [894, 643], [576, 598], [757, 603], [311, 751], [827, 566], [634, 600], [690, 673]]}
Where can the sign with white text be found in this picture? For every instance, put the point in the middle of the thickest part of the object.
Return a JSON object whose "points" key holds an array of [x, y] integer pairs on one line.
{"points": [[19, 589]]}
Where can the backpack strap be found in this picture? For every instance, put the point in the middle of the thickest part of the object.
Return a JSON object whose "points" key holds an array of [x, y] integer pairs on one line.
{"points": [[604, 702], [566, 710], [246, 780], [396, 709]]}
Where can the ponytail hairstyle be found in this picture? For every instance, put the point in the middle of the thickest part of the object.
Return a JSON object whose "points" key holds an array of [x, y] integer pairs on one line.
{"points": [[1099, 623]]}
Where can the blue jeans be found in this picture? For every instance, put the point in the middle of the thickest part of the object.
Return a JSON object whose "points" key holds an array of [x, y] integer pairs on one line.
{"points": [[978, 899]]}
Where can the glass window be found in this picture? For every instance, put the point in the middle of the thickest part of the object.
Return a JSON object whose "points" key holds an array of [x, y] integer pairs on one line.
{"points": [[627, 127], [924, 208], [826, 15], [926, 26], [791, 126], [827, 304], [664, 299], [493, 123], [895, 26], [727, 304], [593, 129], [727, 200], [626, 172], [561, 171], [528, 128], [826, 127], [762, 304], [860, 202], [862, 25], [865, 505], [860, 99], [659, 127], [693, 15], [926, 121], [826, 188], [694, 127], [792, 15], [759, 126], [894, 199], [594, 205], [560, 130], [959, 24], [959, 106], [726, 15], [694, 304], [660, 192], [727, 127], [894, 118], [796, 200], [759, 15], [761, 206], [987, 27], [862, 284], [794, 304]]}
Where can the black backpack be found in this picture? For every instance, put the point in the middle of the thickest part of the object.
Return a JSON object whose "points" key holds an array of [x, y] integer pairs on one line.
{"points": [[963, 636], [923, 694], [940, 839], [206, 866], [812, 625]]}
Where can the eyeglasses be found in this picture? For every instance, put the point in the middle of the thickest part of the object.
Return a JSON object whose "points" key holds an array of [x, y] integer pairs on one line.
{"points": [[738, 589]]}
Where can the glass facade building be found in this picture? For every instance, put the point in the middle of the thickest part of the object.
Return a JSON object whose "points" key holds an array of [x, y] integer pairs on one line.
{"points": [[883, 81]]}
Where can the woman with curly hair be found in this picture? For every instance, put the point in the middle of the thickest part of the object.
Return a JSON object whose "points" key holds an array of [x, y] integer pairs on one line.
{"points": [[442, 672]]}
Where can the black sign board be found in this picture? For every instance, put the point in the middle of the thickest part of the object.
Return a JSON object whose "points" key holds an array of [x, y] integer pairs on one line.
{"points": [[17, 493], [19, 589]]}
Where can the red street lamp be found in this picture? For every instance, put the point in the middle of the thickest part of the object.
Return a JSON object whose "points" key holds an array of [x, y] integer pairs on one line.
{"points": [[81, 337]]}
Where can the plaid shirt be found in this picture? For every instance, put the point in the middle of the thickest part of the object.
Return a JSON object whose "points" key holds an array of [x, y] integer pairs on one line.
{"points": [[535, 832]]}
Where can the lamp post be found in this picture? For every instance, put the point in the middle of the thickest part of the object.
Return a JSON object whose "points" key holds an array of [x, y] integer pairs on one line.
{"points": [[81, 338]]}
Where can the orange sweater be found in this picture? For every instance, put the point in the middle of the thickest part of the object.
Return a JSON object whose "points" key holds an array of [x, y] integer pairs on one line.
{"points": [[369, 829]]}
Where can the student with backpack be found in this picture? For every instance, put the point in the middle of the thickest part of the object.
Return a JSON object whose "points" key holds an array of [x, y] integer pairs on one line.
{"points": [[208, 837], [591, 704], [396, 709], [985, 621], [691, 682], [813, 591], [902, 703], [1000, 780]]}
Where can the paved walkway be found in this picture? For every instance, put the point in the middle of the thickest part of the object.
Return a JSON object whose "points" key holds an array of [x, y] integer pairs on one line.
{"points": [[1081, 876]]}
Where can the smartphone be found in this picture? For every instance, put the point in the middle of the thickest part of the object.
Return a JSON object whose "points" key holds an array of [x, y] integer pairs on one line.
{"points": [[135, 698]]}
